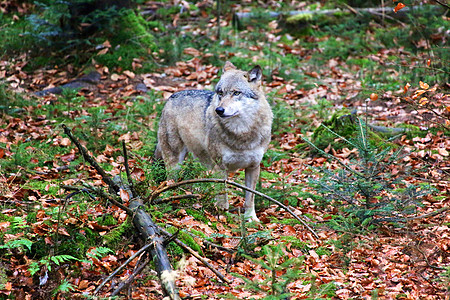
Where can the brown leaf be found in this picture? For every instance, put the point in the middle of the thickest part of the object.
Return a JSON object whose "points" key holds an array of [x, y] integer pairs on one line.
{"points": [[399, 6], [443, 152], [289, 230], [191, 51], [129, 74], [423, 85], [124, 195]]}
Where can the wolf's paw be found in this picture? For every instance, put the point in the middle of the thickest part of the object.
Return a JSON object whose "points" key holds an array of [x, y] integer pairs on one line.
{"points": [[251, 216]]}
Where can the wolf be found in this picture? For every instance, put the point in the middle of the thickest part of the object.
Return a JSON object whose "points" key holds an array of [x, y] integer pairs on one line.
{"points": [[226, 129]]}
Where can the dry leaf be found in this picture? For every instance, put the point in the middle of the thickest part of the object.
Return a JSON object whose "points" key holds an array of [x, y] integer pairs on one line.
{"points": [[399, 6]]}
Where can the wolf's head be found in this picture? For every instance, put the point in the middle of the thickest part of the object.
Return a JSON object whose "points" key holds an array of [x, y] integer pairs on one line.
{"points": [[238, 93]]}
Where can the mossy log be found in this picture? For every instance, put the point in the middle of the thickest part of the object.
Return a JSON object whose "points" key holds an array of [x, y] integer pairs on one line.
{"points": [[150, 233], [298, 16]]}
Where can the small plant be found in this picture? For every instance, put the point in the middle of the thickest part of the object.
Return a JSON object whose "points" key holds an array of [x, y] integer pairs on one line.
{"points": [[366, 187], [48, 262], [64, 287], [278, 270]]}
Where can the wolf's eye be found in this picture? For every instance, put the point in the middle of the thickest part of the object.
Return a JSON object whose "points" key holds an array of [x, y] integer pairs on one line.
{"points": [[236, 93], [219, 93]]}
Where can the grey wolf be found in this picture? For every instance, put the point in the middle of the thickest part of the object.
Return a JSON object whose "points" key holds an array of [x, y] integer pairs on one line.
{"points": [[227, 130]]}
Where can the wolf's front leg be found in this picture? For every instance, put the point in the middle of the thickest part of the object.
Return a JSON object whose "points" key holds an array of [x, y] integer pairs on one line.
{"points": [[251, 177]]}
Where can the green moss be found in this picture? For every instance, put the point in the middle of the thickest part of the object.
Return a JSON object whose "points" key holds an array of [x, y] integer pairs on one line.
{"points": [[133, 41], [106, 220], [136, 25], [115, 236], [198, 215], [302, 17], [342, 123], [187, 239]]}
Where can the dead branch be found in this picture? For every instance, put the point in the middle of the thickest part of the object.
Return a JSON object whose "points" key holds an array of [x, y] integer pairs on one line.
{"points": [[445, 5], [127, 168], [239, 16], [150, 232], [90, 160], [137, 270], [130, 259], [99, 193], [226, 181], [221, 248], [196, 255], [142, 221]]}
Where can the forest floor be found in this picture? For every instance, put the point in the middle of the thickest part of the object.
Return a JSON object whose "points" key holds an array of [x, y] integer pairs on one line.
{"points": [[392, 244]]}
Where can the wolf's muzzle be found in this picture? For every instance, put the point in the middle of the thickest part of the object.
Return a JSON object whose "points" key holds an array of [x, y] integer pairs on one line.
{"points": [[220, 111]]}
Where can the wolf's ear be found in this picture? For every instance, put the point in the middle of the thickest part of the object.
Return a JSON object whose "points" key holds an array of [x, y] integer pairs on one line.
{"points": [[255, 74], [228, 66]]}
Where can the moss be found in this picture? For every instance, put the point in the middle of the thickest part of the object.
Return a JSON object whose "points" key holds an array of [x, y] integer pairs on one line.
{"points": [[114, 236], [133, 41], [135, 25], [106, 220], [197, 214], [302, 17], [342, 123], [187, 239]]}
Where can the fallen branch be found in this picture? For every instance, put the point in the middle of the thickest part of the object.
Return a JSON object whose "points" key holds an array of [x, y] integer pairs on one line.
{"points": [[138, 269], [99, 193], [176, 197], [141, 220], [226, 181], [298, 14], [130, 259], [90, 160]]}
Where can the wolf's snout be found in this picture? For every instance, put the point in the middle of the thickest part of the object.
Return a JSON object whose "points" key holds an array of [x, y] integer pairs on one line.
{"points": [[220, 110]]}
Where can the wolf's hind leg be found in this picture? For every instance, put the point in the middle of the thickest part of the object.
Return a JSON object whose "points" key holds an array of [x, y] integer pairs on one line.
{"points": [[251, 177], [222, 198]]}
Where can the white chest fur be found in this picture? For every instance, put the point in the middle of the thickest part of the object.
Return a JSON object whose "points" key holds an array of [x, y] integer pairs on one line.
{"points": [[242, 159]]}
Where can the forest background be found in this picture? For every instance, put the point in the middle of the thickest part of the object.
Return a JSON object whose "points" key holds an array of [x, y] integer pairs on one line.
{"points": [[359, 158]]}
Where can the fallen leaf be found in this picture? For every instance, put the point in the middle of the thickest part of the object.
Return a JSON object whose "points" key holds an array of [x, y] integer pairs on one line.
{"points": [[124, 195], [399, 6], [423, 85]]}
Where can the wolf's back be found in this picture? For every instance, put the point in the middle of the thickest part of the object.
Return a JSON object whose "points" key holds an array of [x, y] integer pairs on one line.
{"points": [[191, 98]]}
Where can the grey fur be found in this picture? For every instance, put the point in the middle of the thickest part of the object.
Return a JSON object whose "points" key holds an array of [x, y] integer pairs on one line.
{"points": [[226, 130]]}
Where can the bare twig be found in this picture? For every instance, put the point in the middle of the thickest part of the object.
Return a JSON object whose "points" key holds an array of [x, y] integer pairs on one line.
{"points": [[139, 267], [196, 255], [226, 181], [442, 3], [90, 160], [132, 257], [99, 193], [127, 169], [222, 248], [142, 221]]}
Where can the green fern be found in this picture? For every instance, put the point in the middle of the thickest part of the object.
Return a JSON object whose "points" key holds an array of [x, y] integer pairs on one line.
{"points": [[99, 252], [64, 287], [18, 243], [48, 261]]}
